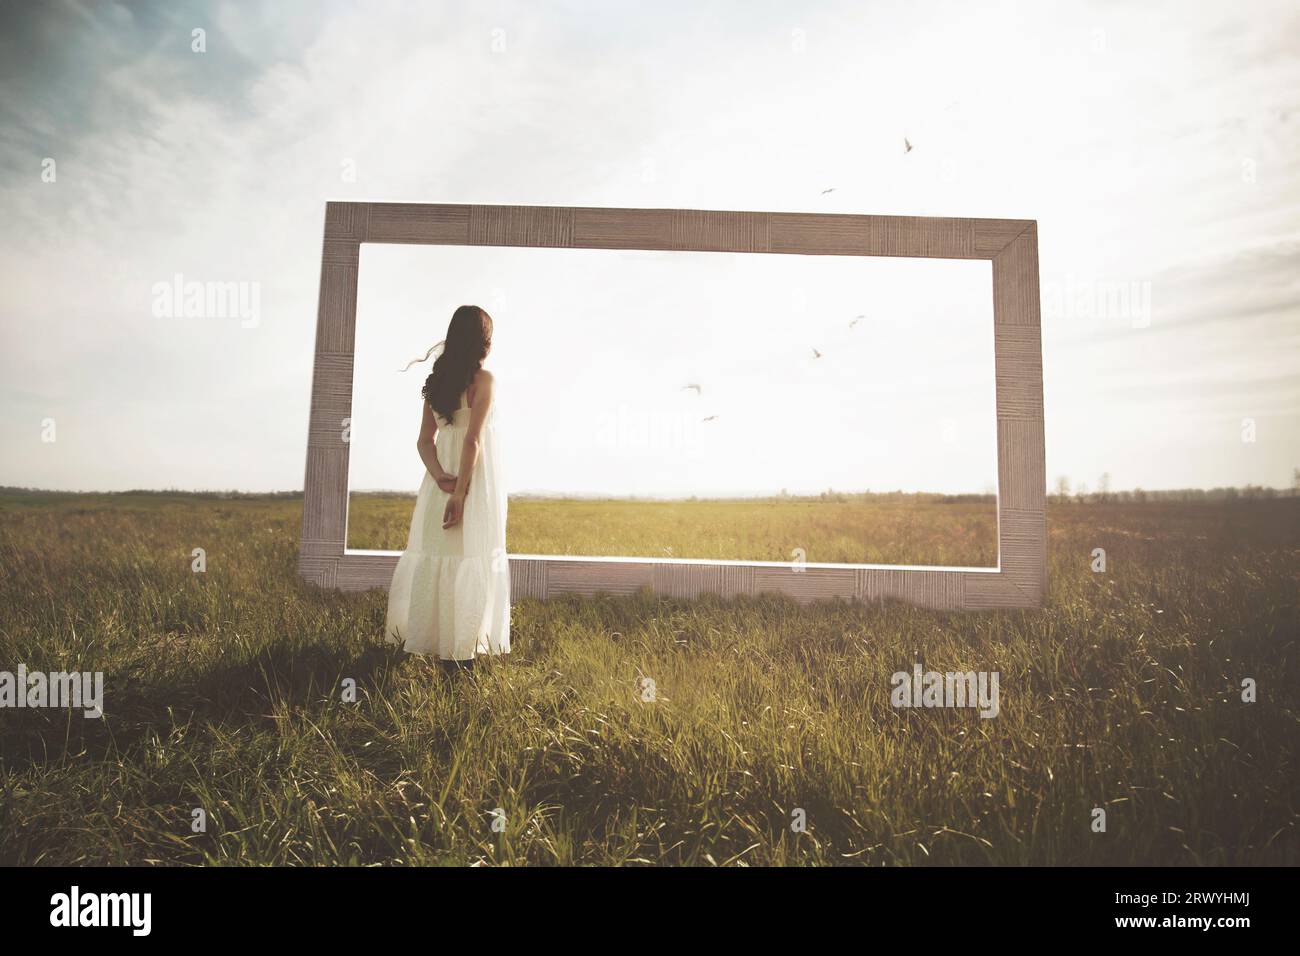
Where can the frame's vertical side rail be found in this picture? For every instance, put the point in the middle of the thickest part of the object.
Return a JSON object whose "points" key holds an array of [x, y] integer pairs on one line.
{"points": [[325, 484], [1022, 472]]}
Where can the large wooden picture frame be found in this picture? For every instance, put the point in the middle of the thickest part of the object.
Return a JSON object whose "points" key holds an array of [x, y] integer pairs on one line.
{"points": [[1019, 580]]}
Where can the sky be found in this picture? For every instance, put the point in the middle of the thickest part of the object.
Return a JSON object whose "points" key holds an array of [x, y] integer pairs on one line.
{"points": [[813, 372], [1156, 145]]}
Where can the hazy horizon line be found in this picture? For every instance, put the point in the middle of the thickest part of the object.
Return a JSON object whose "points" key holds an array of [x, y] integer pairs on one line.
{"points": [[600, 496]]}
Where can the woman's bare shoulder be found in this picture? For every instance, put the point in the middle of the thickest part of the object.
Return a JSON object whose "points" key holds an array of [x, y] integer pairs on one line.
{"points": [[480, 384]]}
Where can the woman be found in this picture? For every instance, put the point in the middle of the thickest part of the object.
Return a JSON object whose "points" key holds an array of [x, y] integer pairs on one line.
{"points": [[450, 595]]}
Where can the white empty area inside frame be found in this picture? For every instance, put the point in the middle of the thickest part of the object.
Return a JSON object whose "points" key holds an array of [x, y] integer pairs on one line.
{"points": [[814, 373]]}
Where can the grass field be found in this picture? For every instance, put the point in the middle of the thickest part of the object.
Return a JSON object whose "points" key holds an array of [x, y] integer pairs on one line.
{"points": [[224, 692], [838, 529]]}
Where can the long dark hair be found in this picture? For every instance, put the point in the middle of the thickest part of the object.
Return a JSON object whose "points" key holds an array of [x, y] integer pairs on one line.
{"points": [[469, 338]]}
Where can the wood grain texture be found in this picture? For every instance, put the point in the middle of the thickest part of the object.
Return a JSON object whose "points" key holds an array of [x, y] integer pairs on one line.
{"points": [[1022, 444], [324, 515], [807, 584], [331, 403], [528, 578], [575, 576], [843, 235], [1018, 357], [520, 226], [943, 590], [994, 235], [336, 316], [1011, 245], [987, 592], [346, 220], [1022, 541], [623, 228], [410, 222], [704, 229], [686, 580], [321, 571]]}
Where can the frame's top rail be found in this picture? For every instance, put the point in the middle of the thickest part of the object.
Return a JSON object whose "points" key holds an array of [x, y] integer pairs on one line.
{"points": [[703, 230]]}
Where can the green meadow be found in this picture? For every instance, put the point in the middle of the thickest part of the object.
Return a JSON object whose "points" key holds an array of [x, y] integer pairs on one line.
{"points": [[641, 730], [833, 528]]}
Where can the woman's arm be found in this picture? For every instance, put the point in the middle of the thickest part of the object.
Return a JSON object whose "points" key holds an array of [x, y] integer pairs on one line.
{"points": [[428, 450], [470, 450]]}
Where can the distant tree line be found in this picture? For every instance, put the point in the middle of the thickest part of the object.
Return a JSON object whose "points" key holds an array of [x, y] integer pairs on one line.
{"points": [[1103, 493], [154, 492]]}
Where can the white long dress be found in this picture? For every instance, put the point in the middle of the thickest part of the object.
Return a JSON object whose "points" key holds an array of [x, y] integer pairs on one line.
{"points": [[450, 594]]}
